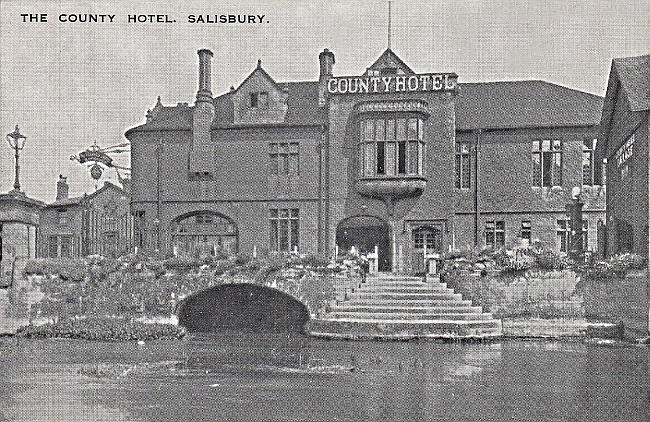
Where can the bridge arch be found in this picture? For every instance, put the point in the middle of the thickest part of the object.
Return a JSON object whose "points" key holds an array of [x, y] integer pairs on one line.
{"points": [[242, 307], [203, 233]]}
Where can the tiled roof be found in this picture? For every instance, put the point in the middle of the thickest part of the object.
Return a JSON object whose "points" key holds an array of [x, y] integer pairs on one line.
{"points": [[512, 104], [486, 105], [634, 76], [77, 199]]}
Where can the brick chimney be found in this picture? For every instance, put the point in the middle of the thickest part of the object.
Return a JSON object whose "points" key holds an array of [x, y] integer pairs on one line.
{"points": [[326, 59], [202, 149], [62, 188]]}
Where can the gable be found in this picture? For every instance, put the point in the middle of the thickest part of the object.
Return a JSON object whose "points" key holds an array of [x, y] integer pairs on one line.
{"points": [[259, 100], [389, 63]]}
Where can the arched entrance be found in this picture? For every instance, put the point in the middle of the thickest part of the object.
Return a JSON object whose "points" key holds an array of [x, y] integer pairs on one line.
{"points": [[204, 233], [364, 233]]}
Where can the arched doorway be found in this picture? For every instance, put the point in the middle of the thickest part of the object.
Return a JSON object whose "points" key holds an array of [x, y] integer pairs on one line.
{"points": [[204, 233], [364, 233]]}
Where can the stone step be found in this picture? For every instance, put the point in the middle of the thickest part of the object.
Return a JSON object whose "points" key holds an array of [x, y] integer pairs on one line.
{"points": [[405, 296], [404, 284], [389, 276], [403, 330], [414, 302], [454, 308], [434, 315], [392, 289]]}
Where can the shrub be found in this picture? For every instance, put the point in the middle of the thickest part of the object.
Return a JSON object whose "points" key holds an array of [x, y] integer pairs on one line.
{"points": [[65, 268], [104, 329]]}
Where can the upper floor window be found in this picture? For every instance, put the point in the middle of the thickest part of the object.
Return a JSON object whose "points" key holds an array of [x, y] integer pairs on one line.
{"points": [[259, 99], [62, 217], [547, 163], [463, 171], [390, 147], [623, 154], [284, 158], [588, 148]]}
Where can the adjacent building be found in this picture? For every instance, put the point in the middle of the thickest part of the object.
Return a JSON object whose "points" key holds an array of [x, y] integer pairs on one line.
{"points": [[623, 142], [99, 223], [387, 158], [19, 220]]}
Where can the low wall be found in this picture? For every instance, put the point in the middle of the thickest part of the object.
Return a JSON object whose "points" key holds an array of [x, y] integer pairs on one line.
{"points": [[625, 300], [532, 293]]}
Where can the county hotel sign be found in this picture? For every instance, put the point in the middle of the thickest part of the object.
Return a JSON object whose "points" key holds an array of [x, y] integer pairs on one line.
{"points": [[392, 83]]}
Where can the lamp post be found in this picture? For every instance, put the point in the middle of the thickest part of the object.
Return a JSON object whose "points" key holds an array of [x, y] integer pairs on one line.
{"points": [[16, 141], [575, 248]]}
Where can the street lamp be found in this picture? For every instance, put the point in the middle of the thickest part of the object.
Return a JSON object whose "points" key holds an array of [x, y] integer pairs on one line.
{"points": [[16, 141]]}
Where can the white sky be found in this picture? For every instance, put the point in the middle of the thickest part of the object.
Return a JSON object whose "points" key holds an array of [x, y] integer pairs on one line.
{"points": [[68, 85]]}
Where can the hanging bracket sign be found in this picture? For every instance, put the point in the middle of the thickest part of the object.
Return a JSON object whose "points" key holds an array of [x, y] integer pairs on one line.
{"points": [[392, 83]]}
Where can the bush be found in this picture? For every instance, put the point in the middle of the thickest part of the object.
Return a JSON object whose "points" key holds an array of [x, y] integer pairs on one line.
{"points": [[65, 268], [615, 267], [104, 329]]}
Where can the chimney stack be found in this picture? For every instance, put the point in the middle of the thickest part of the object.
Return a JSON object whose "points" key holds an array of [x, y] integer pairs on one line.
{"points": [[326, 59], [205, 72], [202, 148], [62, 188]]}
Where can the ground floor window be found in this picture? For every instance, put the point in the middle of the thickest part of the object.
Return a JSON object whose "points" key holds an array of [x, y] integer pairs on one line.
{"points": [[495, 234], [429, 236], [564, 235], [204, 234], [284, 229], [526, 230], [60, 246]]}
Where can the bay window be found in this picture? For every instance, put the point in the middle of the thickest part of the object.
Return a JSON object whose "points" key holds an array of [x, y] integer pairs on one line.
{"points": [[391, 147]]}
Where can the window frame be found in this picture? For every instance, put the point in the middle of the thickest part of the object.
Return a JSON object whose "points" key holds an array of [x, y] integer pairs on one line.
{"points": [[283, 157], [391, 146], [463, 165], [495, 229], [284, 223], [547, 152]]}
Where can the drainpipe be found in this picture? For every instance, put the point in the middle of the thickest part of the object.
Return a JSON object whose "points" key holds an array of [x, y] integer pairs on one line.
{"points": [[476, 190], [158, 203], [320, 190]]}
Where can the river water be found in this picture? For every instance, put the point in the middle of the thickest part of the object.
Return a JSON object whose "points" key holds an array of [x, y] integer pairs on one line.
{"points": [[274, 377]]}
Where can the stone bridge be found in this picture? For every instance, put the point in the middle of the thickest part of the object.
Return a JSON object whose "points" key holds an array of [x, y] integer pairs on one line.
{"points": [[282, 304]]}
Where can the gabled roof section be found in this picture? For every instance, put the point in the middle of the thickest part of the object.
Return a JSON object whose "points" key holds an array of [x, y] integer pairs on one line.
{"points": [[178, 117], [634, 76], [262, 72], [302, 106], [629, 76], [520, 104], [76, 200], [389, 59]]}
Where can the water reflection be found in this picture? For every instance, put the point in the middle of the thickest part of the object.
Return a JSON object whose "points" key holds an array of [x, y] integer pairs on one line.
{"points": [[248, 376]]}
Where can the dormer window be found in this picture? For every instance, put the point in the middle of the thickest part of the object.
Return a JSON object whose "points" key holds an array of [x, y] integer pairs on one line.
{"points": [[260, 99]]}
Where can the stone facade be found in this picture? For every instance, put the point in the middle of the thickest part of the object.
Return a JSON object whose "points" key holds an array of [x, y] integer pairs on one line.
{"points": [[289, 163], [99, 223]]}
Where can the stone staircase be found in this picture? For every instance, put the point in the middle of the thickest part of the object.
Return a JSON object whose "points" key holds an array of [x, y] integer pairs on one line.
{"points": [[389, 306]]}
